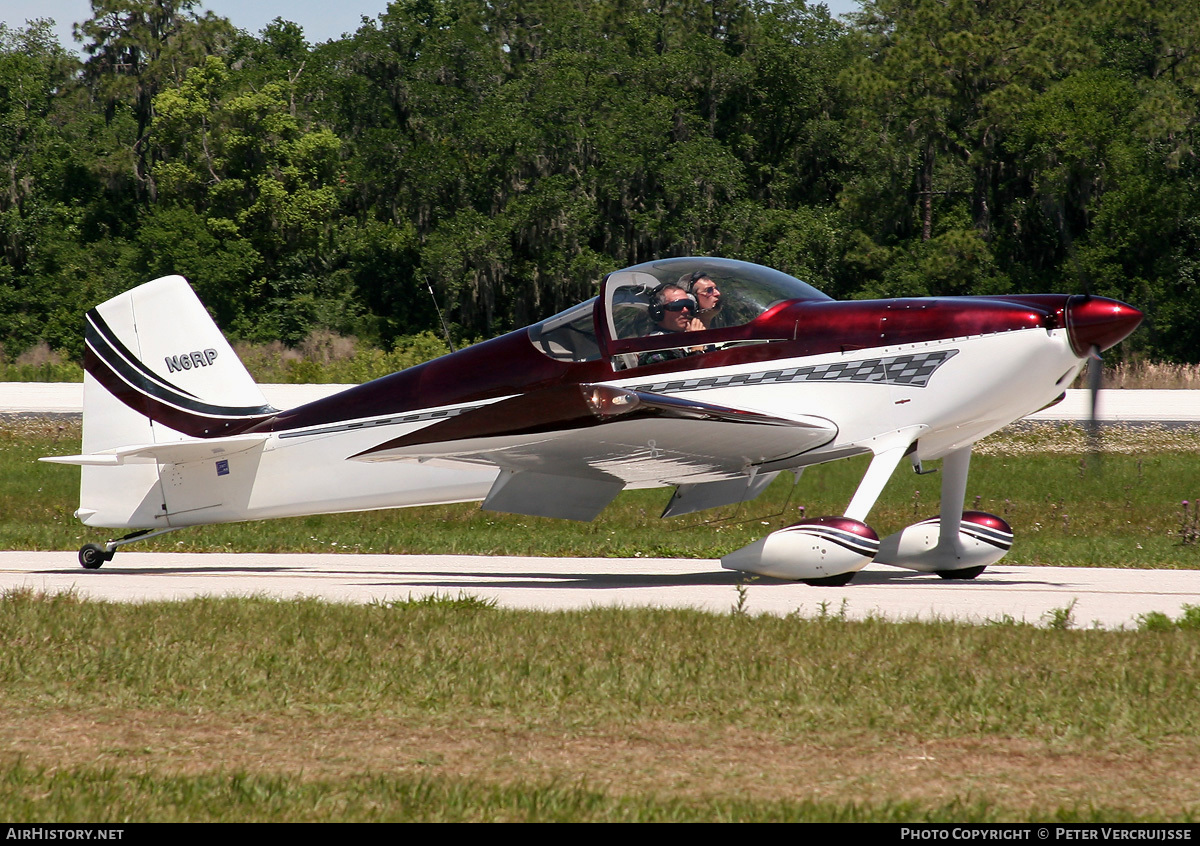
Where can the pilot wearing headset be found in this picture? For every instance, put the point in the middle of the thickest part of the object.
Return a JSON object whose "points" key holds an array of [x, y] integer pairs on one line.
{"points": [[672, 310]]}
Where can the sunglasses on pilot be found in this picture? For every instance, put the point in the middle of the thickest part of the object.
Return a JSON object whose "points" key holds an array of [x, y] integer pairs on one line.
{"points": [[680, 305]]}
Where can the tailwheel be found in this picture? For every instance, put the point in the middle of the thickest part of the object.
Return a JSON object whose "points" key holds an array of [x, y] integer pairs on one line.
{"points": [[840, 580], [965, 574], [93, 555]]}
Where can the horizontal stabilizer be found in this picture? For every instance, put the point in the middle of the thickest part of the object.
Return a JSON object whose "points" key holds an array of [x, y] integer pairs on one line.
{"points": [[171, 452]]}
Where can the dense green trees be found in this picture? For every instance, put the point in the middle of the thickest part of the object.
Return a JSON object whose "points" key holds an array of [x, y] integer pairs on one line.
{"points": [[508, 153]]}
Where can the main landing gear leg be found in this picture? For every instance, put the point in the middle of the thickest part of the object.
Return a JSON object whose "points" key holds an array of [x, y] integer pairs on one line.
{"points": [[888, 450], [954, 496], [888, 453], [828, 551], [93, 555]]}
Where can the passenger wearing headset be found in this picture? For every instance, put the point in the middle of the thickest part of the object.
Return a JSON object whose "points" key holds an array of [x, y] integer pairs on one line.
{"points": [[708, 299], [672, 310]]}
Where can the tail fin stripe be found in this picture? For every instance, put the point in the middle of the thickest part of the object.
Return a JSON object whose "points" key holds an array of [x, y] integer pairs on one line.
{"points": [[112, 364], [113, 351]]}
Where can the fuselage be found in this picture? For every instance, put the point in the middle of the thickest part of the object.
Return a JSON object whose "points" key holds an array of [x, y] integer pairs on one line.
{"points": [[955, 369], [780, 376]]}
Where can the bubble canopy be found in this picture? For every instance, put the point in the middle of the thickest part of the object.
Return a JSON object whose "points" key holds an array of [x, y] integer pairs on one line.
{"points": [[747, 290], [622, 311]]}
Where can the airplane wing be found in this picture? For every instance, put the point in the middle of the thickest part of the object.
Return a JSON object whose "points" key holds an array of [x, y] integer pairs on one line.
{"points": [[567, 451]]}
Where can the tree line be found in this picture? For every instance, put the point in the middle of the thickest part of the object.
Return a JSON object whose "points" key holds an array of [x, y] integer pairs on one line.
{"points": [[505, 154]]}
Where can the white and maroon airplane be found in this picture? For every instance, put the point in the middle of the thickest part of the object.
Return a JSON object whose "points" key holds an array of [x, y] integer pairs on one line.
{"points": [[556, 419]]}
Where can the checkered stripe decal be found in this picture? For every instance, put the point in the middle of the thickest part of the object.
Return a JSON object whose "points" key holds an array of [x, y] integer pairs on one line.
{"points": [[913, 370]]}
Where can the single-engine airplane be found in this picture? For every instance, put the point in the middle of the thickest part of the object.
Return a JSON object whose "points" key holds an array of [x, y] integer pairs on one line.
{"points": [[556, 419]]}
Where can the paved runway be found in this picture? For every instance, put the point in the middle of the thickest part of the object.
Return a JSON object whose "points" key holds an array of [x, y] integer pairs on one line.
{"points": [[1111, 598]]}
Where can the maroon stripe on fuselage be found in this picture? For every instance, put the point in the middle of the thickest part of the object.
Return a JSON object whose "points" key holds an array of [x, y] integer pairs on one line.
{"points": [[553, 409], [511, 364], [837, 326], [502, 366]]}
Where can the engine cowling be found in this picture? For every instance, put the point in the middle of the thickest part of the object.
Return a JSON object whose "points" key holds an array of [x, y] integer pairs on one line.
{"points": [[983, 539], [817, 548]]}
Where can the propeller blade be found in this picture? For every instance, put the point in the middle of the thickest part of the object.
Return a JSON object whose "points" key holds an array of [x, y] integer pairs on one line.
{"points": [[1095, 378]]}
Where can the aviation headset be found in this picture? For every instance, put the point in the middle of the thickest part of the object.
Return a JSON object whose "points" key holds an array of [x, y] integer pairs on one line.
{"points": [[658, 308]]}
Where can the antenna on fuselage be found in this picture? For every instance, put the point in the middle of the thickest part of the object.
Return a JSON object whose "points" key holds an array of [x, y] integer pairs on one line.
{"points": [[437, 308]]}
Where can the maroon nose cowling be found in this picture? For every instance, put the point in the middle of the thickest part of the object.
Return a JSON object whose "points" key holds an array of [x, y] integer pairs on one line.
{"points": [[1099, 323]]}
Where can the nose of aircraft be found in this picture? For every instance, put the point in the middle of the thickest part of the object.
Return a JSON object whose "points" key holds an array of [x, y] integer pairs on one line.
{"points": [[1099, 323]]}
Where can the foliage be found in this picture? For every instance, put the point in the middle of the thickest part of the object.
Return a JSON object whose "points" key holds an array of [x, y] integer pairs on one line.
{"points": [[324, 358], [1156, 621], [506, 155]]}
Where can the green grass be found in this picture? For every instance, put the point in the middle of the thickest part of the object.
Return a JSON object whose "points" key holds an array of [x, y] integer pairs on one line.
{"points": [[1065, 510], [253, 709], [116, 796], [615, 666], [112, 795]]}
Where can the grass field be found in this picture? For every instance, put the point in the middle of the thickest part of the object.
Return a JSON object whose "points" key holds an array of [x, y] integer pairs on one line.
{"points": [[450, 709]]}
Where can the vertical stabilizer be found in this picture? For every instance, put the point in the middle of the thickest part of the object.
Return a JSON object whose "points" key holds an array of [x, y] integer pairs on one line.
{"points": [[156, 350], [158, 371]]}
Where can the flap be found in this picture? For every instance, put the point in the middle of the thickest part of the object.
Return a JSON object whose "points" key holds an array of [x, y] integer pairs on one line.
{"points": [[542, 495], [691, 498]]}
